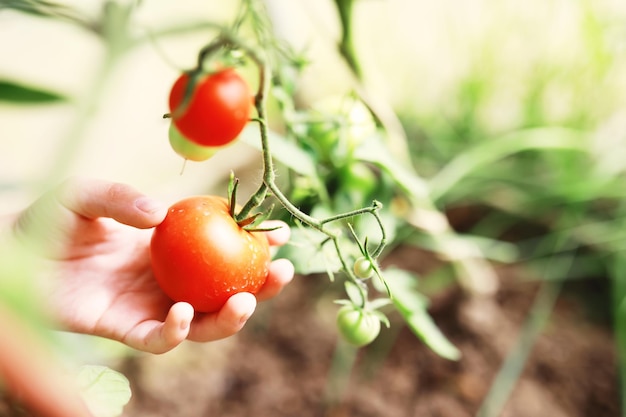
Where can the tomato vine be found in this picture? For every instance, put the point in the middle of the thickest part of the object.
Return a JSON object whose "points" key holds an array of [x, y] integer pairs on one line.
{"points": [[227, 40]]}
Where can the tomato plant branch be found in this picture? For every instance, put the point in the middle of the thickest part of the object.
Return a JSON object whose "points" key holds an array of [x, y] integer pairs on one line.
{"points": [[373, 210], [346, 44], [376, 205], [359, 283], [269, 174], [268, 184], [380, 109]]}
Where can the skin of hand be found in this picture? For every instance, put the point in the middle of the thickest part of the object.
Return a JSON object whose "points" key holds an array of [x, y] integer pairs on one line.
{"points": [[31, 373], [93, 238]]}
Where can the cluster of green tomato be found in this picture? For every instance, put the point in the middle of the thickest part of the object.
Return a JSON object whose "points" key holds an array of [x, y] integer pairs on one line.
{"points": [[359, 325]]}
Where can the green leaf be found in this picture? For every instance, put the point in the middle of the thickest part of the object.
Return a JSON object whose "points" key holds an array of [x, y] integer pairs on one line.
{"points": [[35, 7], [21, 94], [379, 303], [420, 322], [104, 390], [308, 255], [354, 293], [17, 283], [382, 317], [488, 152], [49, 9], [284, 151], [374, 150], [413, 307]]}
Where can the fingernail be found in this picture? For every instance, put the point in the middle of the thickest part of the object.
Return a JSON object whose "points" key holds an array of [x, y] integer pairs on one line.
{"points": [[148, 205], [243, 319], [184, 325]]}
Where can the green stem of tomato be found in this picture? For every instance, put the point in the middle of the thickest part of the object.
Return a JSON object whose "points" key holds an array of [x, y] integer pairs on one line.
{"points": [[364, 210], [373, 210], [344, 264], [346, 44], [269, 175], [383, 239]]}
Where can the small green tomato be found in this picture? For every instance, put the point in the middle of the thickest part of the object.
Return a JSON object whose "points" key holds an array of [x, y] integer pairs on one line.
{"points": [[357, 326], [363, 268], [188, 149]]}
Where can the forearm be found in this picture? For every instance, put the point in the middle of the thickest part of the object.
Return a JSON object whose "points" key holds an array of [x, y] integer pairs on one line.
{"points": [[27, 369], [31, 374]]}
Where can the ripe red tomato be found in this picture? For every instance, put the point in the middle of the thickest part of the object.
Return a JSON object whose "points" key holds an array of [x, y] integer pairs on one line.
{"points": [[200, 254], [217, 111]]}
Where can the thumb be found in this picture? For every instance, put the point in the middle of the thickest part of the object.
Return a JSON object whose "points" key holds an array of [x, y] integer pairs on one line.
{"points": [[57, 215], [91, 199]]}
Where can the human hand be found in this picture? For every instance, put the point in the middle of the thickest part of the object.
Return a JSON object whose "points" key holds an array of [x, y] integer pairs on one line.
{"points": [[97, 238]]}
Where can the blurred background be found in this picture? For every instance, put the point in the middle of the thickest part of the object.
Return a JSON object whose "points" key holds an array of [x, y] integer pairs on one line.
{"points": [[503, 125]]}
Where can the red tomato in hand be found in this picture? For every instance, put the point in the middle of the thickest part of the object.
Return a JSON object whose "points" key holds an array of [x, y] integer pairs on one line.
{"points": [[200, 255], [217, 110]]}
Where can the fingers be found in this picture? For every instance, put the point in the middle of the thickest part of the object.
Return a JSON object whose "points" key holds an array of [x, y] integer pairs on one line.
{"points": [[277, 237], [238, 309], [226, 322], [91, 199], [159, 337], [281, 270], [281, 273]]}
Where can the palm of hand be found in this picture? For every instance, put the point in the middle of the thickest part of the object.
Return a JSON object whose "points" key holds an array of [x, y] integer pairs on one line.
{"points": [[106, 283], [105, 287]]}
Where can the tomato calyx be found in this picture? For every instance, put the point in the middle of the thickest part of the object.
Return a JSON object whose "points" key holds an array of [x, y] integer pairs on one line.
{"points": [[194, 76], [248, 222], [207, 65], [359, 319], [365, 265]]}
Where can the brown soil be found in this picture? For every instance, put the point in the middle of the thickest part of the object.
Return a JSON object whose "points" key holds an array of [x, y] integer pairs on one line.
{"points": [[281, 364]]}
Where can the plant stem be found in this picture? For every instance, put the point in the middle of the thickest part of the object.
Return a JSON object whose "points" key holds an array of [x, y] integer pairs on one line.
{"points": [[346, 45], [359, 283], [269, 175], [374, 207]]}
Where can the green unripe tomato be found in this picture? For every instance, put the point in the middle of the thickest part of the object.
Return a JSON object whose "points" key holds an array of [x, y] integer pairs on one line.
{"points": [[363, 268], [358, 327], [357, 175], [354, 115], [188, 149], [325, 135], [344, 123], [357, 183]]}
